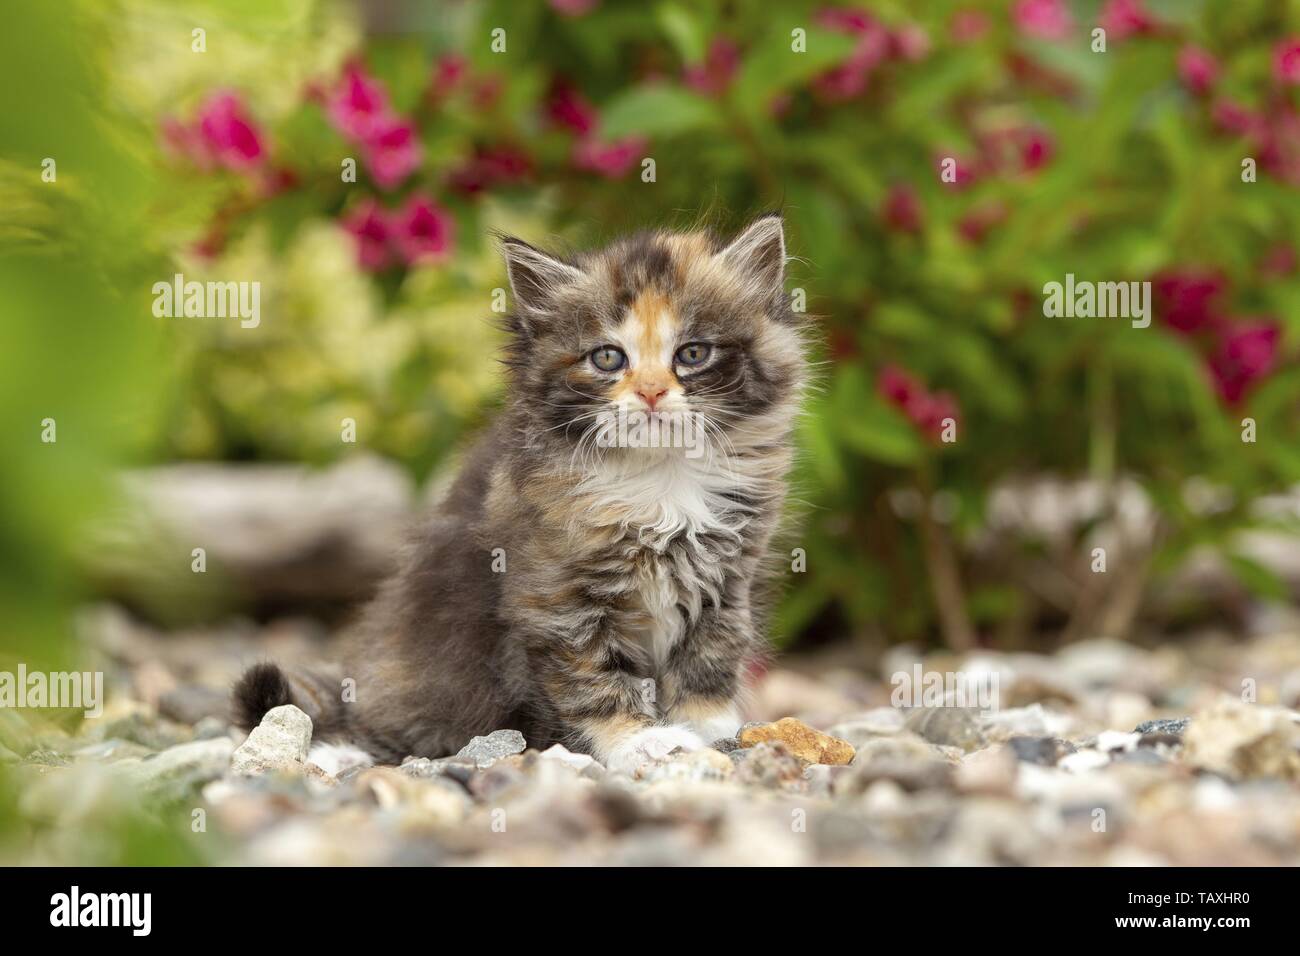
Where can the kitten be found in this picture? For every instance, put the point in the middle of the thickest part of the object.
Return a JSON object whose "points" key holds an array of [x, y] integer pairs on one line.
{"points": [[582, 591]]}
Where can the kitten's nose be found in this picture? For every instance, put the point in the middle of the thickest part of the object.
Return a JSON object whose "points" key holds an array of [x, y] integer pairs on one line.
{"points": [[651, 394]]}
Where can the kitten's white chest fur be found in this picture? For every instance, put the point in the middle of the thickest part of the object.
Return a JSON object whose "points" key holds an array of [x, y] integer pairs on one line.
{"points": [[670, 501]]}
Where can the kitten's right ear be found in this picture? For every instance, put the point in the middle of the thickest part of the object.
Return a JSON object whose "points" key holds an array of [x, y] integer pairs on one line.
{"points": [[535, 276]]}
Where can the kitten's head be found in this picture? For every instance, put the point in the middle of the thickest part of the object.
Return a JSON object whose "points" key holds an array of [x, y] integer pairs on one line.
{"points": [[672, 325]]}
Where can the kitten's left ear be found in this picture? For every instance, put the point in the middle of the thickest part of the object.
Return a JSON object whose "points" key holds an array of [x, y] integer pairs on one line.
{"points": [[758, 254]]}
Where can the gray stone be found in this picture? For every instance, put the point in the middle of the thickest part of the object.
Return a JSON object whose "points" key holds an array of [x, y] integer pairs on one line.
{"points": [[109, 751], [149, 731], [1044, 751], [178, 771], [1174, 727], [768, 765], [948, 726], [459, 768], [279, 743], [485, 751]]}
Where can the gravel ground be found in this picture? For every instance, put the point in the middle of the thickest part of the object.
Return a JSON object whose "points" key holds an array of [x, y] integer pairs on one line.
{"points": [[1101, 754]]}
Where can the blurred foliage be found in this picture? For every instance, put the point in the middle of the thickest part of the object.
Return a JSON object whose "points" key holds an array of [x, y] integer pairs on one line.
{"points": [[1112, 166]]}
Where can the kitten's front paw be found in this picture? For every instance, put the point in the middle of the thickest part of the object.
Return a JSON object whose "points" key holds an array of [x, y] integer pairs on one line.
{"points": [[650, 746], [711, 729]]}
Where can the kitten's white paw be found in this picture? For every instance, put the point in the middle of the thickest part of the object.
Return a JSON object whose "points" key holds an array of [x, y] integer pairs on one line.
{"points": [[650, 746], [715, 728]]}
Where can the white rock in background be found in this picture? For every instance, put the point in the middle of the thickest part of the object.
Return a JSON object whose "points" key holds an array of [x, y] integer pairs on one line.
{"points": [[279, 742], [1244, 741], [287, 532]]}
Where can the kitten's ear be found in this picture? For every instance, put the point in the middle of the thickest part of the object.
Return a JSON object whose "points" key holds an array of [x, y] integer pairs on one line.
{"points": [[535, 276], [758, 254]]}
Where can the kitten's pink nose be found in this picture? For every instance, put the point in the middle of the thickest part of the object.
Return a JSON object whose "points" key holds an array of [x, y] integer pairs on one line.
{"points": [[651, 395]]}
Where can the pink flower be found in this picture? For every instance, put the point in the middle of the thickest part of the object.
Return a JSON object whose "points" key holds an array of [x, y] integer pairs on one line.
{"points": [[1197, 69], [898, 386], [1036, 149], [369, 226], [568, 108], [1276, 142], [491, 166], [846, 20], [573, 8], [448, 73], [1232, 117], [929, 412], [714, 75], [902, 209], [926, 410], [849, 79], [358, 108], [968, 26], [423, 231], [1286, 61], [1043, 19], [229, 135], [611, 160], [1124, 18], [1246, 353], [1186, 299], [392, 152]]}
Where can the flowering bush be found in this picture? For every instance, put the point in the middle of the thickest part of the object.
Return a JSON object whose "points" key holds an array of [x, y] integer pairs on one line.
{"points": [[937, 165]]}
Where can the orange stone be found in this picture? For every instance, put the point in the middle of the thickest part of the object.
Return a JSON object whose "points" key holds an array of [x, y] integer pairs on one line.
{"points": [[807, 743]]}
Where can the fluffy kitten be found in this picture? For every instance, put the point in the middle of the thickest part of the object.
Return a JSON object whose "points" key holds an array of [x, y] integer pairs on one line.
{"points": [[606, 598]]}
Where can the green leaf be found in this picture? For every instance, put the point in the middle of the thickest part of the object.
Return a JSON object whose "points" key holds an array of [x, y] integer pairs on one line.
{"points": [[1258, 579], [774, 67], [658, 110], [684, 30]]}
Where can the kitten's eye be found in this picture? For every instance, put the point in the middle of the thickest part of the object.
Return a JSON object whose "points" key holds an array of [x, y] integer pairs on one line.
{"points": [[694, 353], [608, 359]]}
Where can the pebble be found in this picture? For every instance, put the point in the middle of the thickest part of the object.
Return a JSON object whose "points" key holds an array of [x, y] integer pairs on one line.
{"points": [[177, 771], [767, 764], [804, 742], [1174, 727], [1045, 751], [560, 753], [278, 744], [485, 751], [949, 726], [1244, 741]]}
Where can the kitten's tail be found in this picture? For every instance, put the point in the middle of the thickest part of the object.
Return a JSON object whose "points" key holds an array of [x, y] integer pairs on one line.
{"points": [[264, 686]]}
